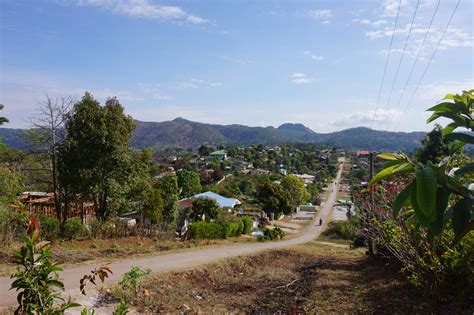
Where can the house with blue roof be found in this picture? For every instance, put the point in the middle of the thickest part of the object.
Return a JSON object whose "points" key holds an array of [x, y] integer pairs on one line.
{"points": [[222, 202]]}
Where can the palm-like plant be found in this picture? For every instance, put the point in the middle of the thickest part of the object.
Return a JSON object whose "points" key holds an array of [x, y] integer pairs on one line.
{"points": [[440, 196]]}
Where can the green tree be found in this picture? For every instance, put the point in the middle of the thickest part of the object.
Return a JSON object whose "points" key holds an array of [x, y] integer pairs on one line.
{"points": [[168, 185], [189, 183], [434, 148], [153, 205], [3, 120], [204, 150], [204, 209], [296, 190], [274, 199], [314, 193], [94, 158]]}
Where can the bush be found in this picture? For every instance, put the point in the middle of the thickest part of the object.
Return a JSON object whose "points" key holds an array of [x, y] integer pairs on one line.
{"points": [[345, 230], [208, 230], [232, 229], [271, 235], [241, 227], [50, 227], [130, 279], [248, 225], [73, 228], [12, 224]]}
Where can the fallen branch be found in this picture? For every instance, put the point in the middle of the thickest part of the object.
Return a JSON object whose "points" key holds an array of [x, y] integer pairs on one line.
{"points": [[286, 286]]}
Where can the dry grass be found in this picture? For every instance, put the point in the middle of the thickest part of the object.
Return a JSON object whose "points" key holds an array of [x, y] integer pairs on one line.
{"points": [[310, 278]]}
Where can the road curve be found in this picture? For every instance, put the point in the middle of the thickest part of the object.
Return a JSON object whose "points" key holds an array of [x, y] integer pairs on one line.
{"points": [[183, 260]]}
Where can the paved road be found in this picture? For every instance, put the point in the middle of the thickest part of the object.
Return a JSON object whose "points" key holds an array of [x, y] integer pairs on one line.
{"points": [[183, 260]]}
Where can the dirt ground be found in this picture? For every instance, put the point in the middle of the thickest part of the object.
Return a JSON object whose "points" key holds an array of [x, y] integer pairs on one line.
{"points": [[70, 253], [309, 278]]}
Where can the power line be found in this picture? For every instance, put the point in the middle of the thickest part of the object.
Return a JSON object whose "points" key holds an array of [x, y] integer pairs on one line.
{"points": [[386, 61], [420, 49], [429, 62], [403, 54]]}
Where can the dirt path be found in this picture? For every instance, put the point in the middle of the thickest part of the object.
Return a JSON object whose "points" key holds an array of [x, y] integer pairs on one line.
{"points": [[164, 263]]}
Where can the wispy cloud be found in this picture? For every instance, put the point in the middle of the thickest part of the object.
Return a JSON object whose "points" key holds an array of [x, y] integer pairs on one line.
{"points": [[144, 9], [155, 92], [312, 56], [375, 23], [366, 118], [196, 83], [321, 15], [300, 78]]}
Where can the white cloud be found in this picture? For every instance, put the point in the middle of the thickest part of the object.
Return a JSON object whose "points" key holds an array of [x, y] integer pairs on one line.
{"points": [[196, 20], [320, 14], [376, 23], [194, 83], [312, 56], [434, 92], [154, 90], [300, 78], [367, 118], [144, 9]]}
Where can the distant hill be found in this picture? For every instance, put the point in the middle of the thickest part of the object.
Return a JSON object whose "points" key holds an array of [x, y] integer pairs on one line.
{"points": [[184, 133]]}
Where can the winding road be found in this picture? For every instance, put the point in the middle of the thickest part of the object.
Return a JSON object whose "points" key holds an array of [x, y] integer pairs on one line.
{"points": [[182, 260]]}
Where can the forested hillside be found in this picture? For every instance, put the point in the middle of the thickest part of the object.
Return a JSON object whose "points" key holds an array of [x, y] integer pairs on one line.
{"points": [[183, 133]]}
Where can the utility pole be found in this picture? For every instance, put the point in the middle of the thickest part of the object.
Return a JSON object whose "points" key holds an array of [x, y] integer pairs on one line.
{"points": [[370, 242]]}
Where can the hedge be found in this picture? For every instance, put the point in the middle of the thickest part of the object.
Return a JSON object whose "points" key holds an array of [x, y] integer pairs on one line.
{"points": [[248, 225], [221, 230]]}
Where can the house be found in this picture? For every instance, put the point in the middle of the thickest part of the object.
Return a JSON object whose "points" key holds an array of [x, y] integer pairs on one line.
{"points": [[220, 155], [221, 201], [38, 202], [308, 179]]}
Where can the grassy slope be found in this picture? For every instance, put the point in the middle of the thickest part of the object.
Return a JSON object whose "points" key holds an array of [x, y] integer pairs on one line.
{"points": [[303, 278]]}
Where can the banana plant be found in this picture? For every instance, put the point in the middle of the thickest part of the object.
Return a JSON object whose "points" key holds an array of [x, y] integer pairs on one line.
{"points": [[438, 197]]}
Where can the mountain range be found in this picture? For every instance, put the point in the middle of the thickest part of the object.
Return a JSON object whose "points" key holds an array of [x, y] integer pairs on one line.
{"points": [[182, 133]]}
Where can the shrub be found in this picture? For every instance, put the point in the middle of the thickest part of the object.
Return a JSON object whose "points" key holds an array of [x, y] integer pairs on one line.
{"points": [[73, 228], [248, 225], [50, 227], [271, 235], [346, 230], [12, 224], [241, 227], [231, 229], [208, 230], [130, 279]]}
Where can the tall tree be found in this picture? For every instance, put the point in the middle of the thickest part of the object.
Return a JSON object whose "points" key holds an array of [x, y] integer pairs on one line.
{"points": [[189, 183], [3, 120], [434, 147], [94, 158], [168, 185], [48, 132], [296, 190], [273, 198]]}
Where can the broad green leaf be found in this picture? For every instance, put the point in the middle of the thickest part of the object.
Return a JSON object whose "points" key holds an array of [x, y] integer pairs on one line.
{"points": [[449, 128], [469, 168], [421, 218], [391, 171], [426, 186], [447, 107], [457, 118], [401, 200], [461, 215], [389, 156], [460, 136], [442, 198], [454, 184]]}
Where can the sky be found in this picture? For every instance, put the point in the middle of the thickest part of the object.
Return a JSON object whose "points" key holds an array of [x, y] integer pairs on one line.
{"points": [[257, 63]]}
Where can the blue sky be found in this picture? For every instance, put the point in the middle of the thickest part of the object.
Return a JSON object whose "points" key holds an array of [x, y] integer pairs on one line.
{"points": [[257, 63]]}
